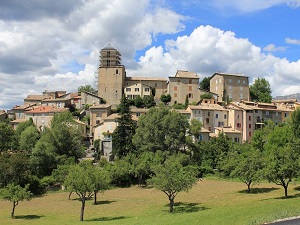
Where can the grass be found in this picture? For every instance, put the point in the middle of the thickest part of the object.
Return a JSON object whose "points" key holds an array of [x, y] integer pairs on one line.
{"points": [[209, 202]]}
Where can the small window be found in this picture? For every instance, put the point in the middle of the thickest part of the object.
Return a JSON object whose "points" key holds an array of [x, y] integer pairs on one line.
{"points": [[117, 71], [244, 82], [256, 111], [230, 87], [239, 81], [285, 114], [249, 118], [237, 140], [238, 116], [249, 125], [225, 117], [217, 116], [241, 88], [190, 81], [175, 95], [241, 96], [207, 120], [267, 113], [97, 121], [230, 80], [190, 88], [208, 113], [250, 134], [138, 114], [128, 89], [175, 88], [200, 137], [147, 89], [238, 125], [136, 89], [190, 95], [276, 113]]}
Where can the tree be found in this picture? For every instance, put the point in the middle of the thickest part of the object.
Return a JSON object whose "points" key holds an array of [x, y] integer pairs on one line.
{"points": [[149, 101], [186, 102], [295, 122], [281, 157], [80, 179], [102, 181], [195, 129], [172, 177], [205, 84], [6, 136], [28, 138], [15, 193], [86, 88], [161, 129], [260, 90], [207, 96], [138, 102], [122, 136], [165, 98]]}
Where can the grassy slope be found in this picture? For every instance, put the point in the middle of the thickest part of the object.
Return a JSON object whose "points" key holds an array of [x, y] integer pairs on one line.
{"points": [[209, 202]]}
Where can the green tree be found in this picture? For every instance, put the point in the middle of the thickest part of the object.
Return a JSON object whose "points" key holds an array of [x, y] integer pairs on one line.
{"points": [[161, 129], [205, 83], [122, 136], [28, 138], [295, 122], [260, 90], [207, 96], [186, 102], [102, 181], [172, 177], [149, 101], [195, 129], [165, 98], [86, 88], [6, 136], [281, 157], [80, 179], [15, 193], [138, 102]]}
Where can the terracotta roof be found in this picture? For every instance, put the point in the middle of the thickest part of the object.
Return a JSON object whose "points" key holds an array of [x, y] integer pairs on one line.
{"points": [[35, 97], [18, 121], [186, 74], [292, 100], [183, 111], [258, 106], [228, 130], [24, 107], [203, 130], [208, 107], [145, 79], [135, 110], [47, 109], [101, 106], [112, 116], [2, 112], [55, 100]]}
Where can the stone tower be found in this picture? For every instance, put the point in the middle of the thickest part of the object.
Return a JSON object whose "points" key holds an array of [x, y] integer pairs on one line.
{"points": [[111, 75]]}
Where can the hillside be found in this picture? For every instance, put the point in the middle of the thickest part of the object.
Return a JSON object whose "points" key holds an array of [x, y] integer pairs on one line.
{"points": [[292, 96]]}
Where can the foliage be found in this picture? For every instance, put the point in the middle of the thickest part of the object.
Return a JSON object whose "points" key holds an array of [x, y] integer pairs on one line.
{"points": [[102, 181], [28, 138], [122, 136], [138, 102], [6, 136], [260, 90], [86, 88], [186, 102], [178, 106], [281, 157], [149, 101], [195, 128], [15, 193], [160, 129], [166, 98], [207, 96], [295, 122], [172, 177], [205, 83]]}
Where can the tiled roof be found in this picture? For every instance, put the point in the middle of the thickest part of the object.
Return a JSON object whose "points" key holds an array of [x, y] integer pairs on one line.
{"points": [[18, 121], [145, 79], [207, 107], [228, 130], [35, 97], [112, 116], [46, 109], [101, 106], [135, 110], [24, 107], [55, 100], [186, 74], [227, 74]]}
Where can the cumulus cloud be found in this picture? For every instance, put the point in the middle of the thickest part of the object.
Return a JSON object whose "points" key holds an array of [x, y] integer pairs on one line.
{"points": [[273, 48], [292, 41]]}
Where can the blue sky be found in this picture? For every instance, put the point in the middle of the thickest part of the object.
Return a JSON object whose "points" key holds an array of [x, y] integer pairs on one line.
{"points": [[55, 45]]}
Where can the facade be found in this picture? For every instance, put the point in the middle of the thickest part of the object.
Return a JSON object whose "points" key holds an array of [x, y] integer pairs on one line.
{"points": [[106, 128], [230, 87], [111, 76], [57, 102], [3, 115], [184, 84], [97, 115], [137, 89], [89, 99]]}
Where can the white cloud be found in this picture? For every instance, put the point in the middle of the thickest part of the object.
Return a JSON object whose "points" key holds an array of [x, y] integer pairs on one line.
{"points": [[292, 41], [273, 48]]}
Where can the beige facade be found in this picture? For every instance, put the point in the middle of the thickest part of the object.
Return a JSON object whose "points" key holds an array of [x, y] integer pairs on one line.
{"points": [[234, 135], [137, 89], [158, 84], [57, 102], [89, 99], [233, 87], [184, 84], [97, 115], [108, 126], [111, 76]]}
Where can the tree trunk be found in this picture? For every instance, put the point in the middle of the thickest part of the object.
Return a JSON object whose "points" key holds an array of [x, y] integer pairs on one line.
{"points": [[70, 195], [248, 187], [285, 190], [82, 208], [171, 204], [15, 203], [95, 197]]}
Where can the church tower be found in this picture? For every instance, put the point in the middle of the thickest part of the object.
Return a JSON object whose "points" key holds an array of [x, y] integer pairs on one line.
{"points": [[111, 75]]}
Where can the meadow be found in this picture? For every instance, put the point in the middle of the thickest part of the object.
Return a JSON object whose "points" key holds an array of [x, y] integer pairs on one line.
{"points": [[211, 201]]}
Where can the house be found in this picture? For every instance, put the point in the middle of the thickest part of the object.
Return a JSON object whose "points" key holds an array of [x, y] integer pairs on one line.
{"points": [[97, 115], [57, 102], [88, 98], [137, 89], [3, 115], [233, 134], [138, 112], [230, 87], [18, 113], [106, 127]]}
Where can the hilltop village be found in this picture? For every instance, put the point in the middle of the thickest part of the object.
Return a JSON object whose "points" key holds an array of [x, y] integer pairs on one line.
{"points": [[237, 118]]}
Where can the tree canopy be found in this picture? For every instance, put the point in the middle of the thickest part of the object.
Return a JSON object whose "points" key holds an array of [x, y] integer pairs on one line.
{"points": [[205, 83], [86, 88], [260, 90]]}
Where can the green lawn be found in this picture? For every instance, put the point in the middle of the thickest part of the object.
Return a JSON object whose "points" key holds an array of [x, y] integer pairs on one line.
{"points": [[209, 202]]}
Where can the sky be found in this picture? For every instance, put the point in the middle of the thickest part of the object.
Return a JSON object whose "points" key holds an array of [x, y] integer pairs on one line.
{"points": [[54, 45]]}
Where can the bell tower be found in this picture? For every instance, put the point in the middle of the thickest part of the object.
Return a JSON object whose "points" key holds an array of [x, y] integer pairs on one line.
{"points": [[111, 75]]}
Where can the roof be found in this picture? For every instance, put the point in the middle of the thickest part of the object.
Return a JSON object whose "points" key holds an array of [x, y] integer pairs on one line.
{"points": [[246, 105], [47, 109], [24, 107], [55, 100], [112, 116], [145, 79], [182, 111], [142, 110], [292, 100], [207, 107], [228, 130], [101, 106], [108, 47], [203, 130], [227, 74], [35, 97], [186, 74], [2, 112], [18, 121]]}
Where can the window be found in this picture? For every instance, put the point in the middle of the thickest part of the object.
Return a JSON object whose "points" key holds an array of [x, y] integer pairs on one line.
{"points": [[241, 88], [237, 140], [207, 120], [117, 71], [230, 95], [230, 80], [155, 84], [225, 117], [208, 113], [216, 88], [241, 96], [276, 113], [216, 81], [239, 81], [175, 88], [136, 89], [267, 113], [138, 114], [230, 87], [256, 111], [238, 116], [190, 95], [250, 134], [147, 89], [285, 114], [175, 95], [200, 137], [220, 124], [97, 121], [249, 125], [128, 89], [238, 125], [244, 82], [190, 81], [217, 116], [190, 88], [249, 118]]}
